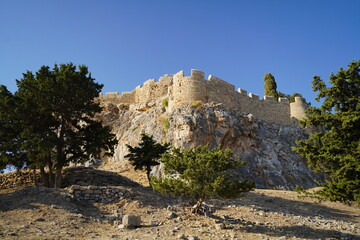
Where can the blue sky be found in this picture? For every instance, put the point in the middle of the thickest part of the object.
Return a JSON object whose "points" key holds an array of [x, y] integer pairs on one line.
{"points": [[124, 43]]}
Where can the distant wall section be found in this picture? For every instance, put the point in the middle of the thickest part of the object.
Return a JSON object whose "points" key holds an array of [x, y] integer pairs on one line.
{"points": [[150, 90]]}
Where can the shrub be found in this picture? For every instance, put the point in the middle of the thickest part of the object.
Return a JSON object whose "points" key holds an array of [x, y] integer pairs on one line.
{"points": [[164, 119], [165, 102], [199, 173], [197, 104]]}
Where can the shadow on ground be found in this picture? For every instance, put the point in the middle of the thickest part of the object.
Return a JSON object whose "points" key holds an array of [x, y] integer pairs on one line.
{"points": [[31, 196], [267, 203]]}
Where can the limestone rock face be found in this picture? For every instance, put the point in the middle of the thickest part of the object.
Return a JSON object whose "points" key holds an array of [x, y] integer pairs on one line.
{"points": [[266, 147]]}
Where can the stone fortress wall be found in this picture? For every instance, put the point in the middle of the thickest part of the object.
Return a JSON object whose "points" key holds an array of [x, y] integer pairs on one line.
{"points": [[181, 90]]}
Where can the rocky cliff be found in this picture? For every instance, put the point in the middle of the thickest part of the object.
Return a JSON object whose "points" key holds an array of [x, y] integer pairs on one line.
{"points": [[265, 146]]}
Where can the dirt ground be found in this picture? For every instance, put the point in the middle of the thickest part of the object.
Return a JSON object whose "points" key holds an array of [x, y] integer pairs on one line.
{"points": [[42, 213]]}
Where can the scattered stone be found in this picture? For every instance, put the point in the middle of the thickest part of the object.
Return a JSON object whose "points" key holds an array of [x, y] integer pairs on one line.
{"points": [[193, 238], [220, 226], [131, 221], [181, 236], [154, 224], [121, 226], [172, 215]]}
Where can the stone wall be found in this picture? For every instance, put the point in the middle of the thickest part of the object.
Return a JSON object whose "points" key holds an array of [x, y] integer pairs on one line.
{"points": [[182, 90], [298, 109], [186, 90], [103, 194], [17, 179], [81, 183]]}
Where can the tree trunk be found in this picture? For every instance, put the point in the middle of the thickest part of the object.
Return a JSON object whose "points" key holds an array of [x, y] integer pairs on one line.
{"points": [[34, 177], [197, 207], [148, 176], [44, 177], [58, 177], [51, 174]]}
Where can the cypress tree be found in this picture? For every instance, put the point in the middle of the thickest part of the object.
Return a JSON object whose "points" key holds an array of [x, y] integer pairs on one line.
{"points": [[270, 86]]}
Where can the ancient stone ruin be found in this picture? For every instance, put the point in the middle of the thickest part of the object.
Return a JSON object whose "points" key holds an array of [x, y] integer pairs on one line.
{"points": [[187, 111], [181, 90]]}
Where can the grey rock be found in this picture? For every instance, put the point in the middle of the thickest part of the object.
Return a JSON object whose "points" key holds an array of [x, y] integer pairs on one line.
{"points": [[172, 215], [266, 147], [181, 236], [220, 226], [193, 238], [131, 221]]}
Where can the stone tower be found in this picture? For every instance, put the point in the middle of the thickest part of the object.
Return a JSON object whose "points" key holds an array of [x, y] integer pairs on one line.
{"points": [[298, 109], [186, 90]]}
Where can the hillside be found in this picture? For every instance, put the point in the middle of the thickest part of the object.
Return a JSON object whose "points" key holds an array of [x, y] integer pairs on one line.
{"points": [[41, 213], [266, 147]]}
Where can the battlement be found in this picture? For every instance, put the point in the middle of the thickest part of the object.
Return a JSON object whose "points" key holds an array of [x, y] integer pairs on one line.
{"points": [[181, 90]]}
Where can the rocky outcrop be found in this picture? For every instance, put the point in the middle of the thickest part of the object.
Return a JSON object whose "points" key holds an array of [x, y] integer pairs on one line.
{"points": [[266, 147]]}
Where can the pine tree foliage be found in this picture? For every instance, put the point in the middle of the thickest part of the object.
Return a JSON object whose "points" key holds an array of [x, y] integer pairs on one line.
{"points": [[199, 173], [54, 120], [10, 139], [270, 86], [291, 97], [146, 155], [335, 148]]}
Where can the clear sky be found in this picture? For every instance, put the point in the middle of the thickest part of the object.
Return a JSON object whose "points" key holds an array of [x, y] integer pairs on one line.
{"points": [[124, 43]]}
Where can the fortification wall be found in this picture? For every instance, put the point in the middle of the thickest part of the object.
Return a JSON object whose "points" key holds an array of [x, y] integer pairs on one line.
{"points": [[150, 90], [298, 109], [217, 90], [186, 90], [183, 90]]}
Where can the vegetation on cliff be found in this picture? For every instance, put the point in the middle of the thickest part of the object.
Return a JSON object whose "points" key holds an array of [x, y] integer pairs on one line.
{"points": [[335, 148], [49, 122]]}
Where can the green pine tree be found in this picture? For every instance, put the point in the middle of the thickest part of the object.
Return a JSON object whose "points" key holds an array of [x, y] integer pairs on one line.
{"points": [[199, 173], [146, 155], [335, 148], [54, 121]]}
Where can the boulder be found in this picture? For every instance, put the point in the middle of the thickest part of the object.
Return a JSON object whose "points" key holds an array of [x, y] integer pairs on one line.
{"points": [[131, 221]]}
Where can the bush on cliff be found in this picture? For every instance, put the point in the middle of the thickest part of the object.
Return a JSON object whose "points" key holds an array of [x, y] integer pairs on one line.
{"points": [[335, 148], [199, 173]]}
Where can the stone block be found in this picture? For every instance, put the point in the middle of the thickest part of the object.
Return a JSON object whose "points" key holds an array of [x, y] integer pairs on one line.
{"points": [[87, 191], [75, 187], [131, 221], [269, 98], [92, 187]]}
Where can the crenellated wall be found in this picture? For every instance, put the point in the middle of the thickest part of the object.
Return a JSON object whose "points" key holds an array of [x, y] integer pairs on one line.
{"points": [[186, 90], [183, 90]]}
